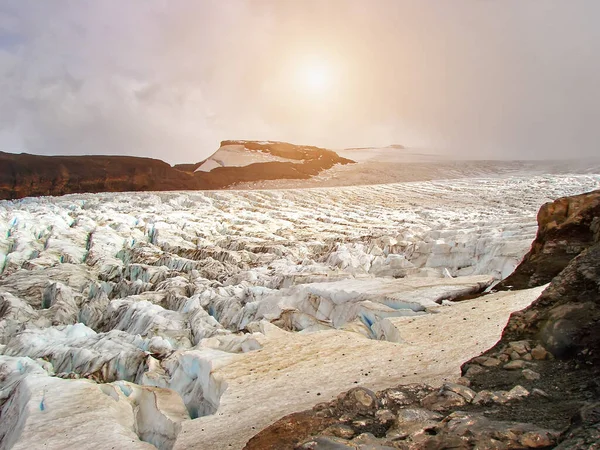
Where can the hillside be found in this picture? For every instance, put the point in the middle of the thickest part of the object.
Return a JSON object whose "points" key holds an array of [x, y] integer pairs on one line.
{"points": [[25, 175]]}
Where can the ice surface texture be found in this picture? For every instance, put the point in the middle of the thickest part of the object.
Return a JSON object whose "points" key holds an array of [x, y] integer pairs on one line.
{"points": [[134, 307]]}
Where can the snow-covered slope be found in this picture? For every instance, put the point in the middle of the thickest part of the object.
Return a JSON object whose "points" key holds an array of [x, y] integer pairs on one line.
{"points": [[236, 155], [391, 154], [154, 313]]}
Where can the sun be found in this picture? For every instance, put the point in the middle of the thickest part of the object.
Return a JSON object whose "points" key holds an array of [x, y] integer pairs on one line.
{"points": [[316, 77]]}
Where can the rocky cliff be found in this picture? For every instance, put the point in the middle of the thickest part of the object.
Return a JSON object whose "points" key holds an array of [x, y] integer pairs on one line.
{"points": [[27, 175], [538, 387], [566, 227], [24, 175]]}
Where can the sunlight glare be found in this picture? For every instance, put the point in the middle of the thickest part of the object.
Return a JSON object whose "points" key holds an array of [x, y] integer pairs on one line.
{"points": [[317, 78]]}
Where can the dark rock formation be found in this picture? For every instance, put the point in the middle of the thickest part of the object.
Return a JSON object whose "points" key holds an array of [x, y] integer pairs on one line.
{"points": [[538, 387], [25, 175], [566, 227], [191, 168], [222, 177]]}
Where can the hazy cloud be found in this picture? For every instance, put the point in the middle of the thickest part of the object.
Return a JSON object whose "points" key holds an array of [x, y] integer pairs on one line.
{"points": [[166, 79]]}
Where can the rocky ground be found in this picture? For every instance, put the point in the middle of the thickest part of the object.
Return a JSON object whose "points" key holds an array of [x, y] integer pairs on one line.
{"points": [[538, 387]]}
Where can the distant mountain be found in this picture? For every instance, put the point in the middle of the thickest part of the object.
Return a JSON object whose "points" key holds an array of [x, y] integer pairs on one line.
{"points": [[25, 175], [392, 146]]}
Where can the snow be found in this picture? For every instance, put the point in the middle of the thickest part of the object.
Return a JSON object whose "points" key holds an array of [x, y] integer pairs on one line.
{"points": [[389, 154], [238, 156], [138, 319]]}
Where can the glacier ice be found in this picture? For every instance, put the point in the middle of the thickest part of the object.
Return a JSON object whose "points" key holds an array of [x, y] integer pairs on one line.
{"points": [[150, 311]]}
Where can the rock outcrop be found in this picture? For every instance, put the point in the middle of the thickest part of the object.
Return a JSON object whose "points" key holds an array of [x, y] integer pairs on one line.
{"points": [[25, 175], [566, 227], [250, 161], [538, 387]]}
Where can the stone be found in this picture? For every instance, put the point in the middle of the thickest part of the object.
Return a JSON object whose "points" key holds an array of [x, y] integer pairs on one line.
{"points": [[340, 430], [515, 365], [491, 362], [479, 360], [539, 393], [362, 423], [529, 374], [365, 438], [539, 352], [488, 397], [527, 357], [467, 393], [477, 431], [538, 439], [503, 357], [474, 370], [514, 356], [464, 381], [412, 421], [385, 416], [521, 347], [358, 400], [443, 399], [517, 393], [403, 396], [411, 415], [326, 443]]}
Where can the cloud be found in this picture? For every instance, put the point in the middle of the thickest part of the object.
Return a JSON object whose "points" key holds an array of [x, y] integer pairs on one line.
{"points": [[171, 79]]}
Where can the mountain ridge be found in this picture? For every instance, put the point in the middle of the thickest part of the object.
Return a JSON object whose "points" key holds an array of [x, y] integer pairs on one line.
{"points": [[26, 175]]}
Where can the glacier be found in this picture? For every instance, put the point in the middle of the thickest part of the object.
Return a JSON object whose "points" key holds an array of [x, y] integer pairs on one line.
{"points": [[175, 319]]}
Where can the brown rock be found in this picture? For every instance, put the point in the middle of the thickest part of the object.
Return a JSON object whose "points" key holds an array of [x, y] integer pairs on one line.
{"points": [[358, 401], [443, 399], [324, 442], [515, 365], [474, 370], [538, 439], [403, 396], [521, 347], [412, 421], [491, 362], [362, 423], [340, 430], [504, 357], [465, 392], [514, 356], [565, 229], [385, 416], [464, 381], [488, 397], [288, 431], [479, 360], [539, 352], [366, 439], [529, 374], [517, 393], [539, 393]]}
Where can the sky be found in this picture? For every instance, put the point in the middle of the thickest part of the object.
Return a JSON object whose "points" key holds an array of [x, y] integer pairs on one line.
{"points": [[170, 79]]}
